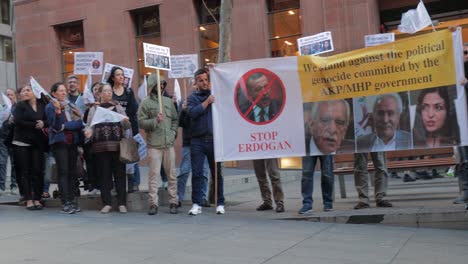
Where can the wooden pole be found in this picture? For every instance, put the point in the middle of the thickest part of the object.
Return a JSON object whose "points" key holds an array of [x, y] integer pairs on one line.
{"points": [[224, 55], [185, 87], [159, 91]]}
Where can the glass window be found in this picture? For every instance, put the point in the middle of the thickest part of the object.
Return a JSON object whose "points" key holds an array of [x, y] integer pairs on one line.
{"points": [[147, 30], [208, 11], [5, 11], [278, 5], [71, 39], [284, 23], [6, 51], [208, 29]]}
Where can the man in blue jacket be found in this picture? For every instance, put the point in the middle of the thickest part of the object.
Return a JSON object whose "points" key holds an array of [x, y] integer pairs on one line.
{"points": [[200, 111]]}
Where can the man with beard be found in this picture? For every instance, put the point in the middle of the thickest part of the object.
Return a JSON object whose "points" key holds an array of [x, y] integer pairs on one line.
{"points": [[264, 107], [73, 83]]}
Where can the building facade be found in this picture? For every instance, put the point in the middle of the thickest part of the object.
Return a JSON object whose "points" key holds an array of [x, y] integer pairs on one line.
{"points": [[48, 32], [7, 66]]}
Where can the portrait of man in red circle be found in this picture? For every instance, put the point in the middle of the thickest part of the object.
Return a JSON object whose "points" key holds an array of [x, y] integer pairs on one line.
{"points": [[260, 96]]}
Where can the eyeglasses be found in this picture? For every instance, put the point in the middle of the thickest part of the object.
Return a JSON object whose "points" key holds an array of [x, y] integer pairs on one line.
{"points": [[465, 52]]}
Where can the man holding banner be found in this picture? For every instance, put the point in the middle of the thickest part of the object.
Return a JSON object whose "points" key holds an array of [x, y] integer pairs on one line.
{"points": [[199, 108]]}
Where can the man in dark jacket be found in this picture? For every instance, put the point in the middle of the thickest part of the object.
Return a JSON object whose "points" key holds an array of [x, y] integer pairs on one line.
{"points": [[200, 111]]}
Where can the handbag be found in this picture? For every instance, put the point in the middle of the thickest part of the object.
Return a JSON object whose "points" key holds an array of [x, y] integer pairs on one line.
{"points": [[129, 150]]}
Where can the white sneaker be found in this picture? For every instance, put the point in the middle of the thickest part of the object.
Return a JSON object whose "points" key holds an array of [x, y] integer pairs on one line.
{"points": [[196, 209], [123, 209], [93, 192], [106, 209], [220, 209]]}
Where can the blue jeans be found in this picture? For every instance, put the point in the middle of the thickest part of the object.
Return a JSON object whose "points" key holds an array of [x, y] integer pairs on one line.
{"points": [[136, 175], [3, 172], [201, 148], [327, 180], [184, 171]]}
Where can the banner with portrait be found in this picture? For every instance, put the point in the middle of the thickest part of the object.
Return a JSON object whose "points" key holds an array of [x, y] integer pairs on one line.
{"points": [[395, 96]]}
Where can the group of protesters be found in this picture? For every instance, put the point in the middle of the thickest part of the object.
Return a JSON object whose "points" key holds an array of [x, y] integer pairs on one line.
{"points": [[36, 130], [39, 128]]}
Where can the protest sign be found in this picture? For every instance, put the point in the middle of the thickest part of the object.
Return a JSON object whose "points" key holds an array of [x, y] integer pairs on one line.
{"points": [[377, 39], [88, 62], [157, 57], [316, 44], [183, 66], [414, 63], [265, 108], [241, 130], [128, 73]]}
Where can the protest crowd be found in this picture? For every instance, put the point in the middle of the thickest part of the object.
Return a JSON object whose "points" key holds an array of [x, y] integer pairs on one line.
{"points": [[92, 142]]}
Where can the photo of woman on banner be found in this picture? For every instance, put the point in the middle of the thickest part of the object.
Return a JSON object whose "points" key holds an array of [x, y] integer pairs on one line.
{"points": [[259, 96], [382, 122], [435, 119], [325, 45], [329, 127]]}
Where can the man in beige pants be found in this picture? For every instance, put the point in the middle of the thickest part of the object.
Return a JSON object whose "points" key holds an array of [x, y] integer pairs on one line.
{"points": [[161, 129]]}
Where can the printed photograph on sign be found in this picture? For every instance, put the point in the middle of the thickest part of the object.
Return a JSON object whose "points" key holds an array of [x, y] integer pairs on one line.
{"points": [[260, 96], [316, 44], [378, 39], [183, 66], [435, 117], [128, 74], [157, 57], [329, 127], [382, 122], [86, 62]]}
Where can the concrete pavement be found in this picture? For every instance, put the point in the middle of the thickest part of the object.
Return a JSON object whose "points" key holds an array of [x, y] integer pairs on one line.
{"points": [[89, 237]]}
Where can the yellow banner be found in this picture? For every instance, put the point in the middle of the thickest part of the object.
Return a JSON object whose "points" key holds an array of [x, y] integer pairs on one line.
{"points": [[410, 64]]}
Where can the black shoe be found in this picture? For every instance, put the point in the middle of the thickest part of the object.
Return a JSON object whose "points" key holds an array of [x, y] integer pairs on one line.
{"points": [[265, 207], [173, 208], [280, 208], [408, 178], [67, 209], [383, 203], [153, 209], [361, 205], [436, 174], [423, 175], [76, 207], [179, 204]]}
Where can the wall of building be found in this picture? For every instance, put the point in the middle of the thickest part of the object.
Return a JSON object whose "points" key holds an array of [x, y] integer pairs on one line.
{"points": [[108, 27]]}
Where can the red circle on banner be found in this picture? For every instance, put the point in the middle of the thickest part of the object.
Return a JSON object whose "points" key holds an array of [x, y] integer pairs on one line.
{"points": [[260, 96]]}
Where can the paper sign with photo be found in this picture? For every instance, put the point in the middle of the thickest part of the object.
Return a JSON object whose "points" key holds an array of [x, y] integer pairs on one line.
{"points": [[183, 66], [316, 44], [157, 57], [128, 74], [377, 39], [86, 62]]}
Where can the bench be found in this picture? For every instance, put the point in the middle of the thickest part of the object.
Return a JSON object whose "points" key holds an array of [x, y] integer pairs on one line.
{"points": [[438, 157]]}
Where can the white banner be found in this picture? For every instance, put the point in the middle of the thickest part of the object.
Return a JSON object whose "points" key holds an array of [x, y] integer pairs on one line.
{"points": [[258, 109], [316, 44], [128, 73], [183, 66], [86, 62], [157, 57]]}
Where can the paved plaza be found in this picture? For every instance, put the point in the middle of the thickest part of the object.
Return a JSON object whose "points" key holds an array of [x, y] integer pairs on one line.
{"points": [[241, 236]]}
